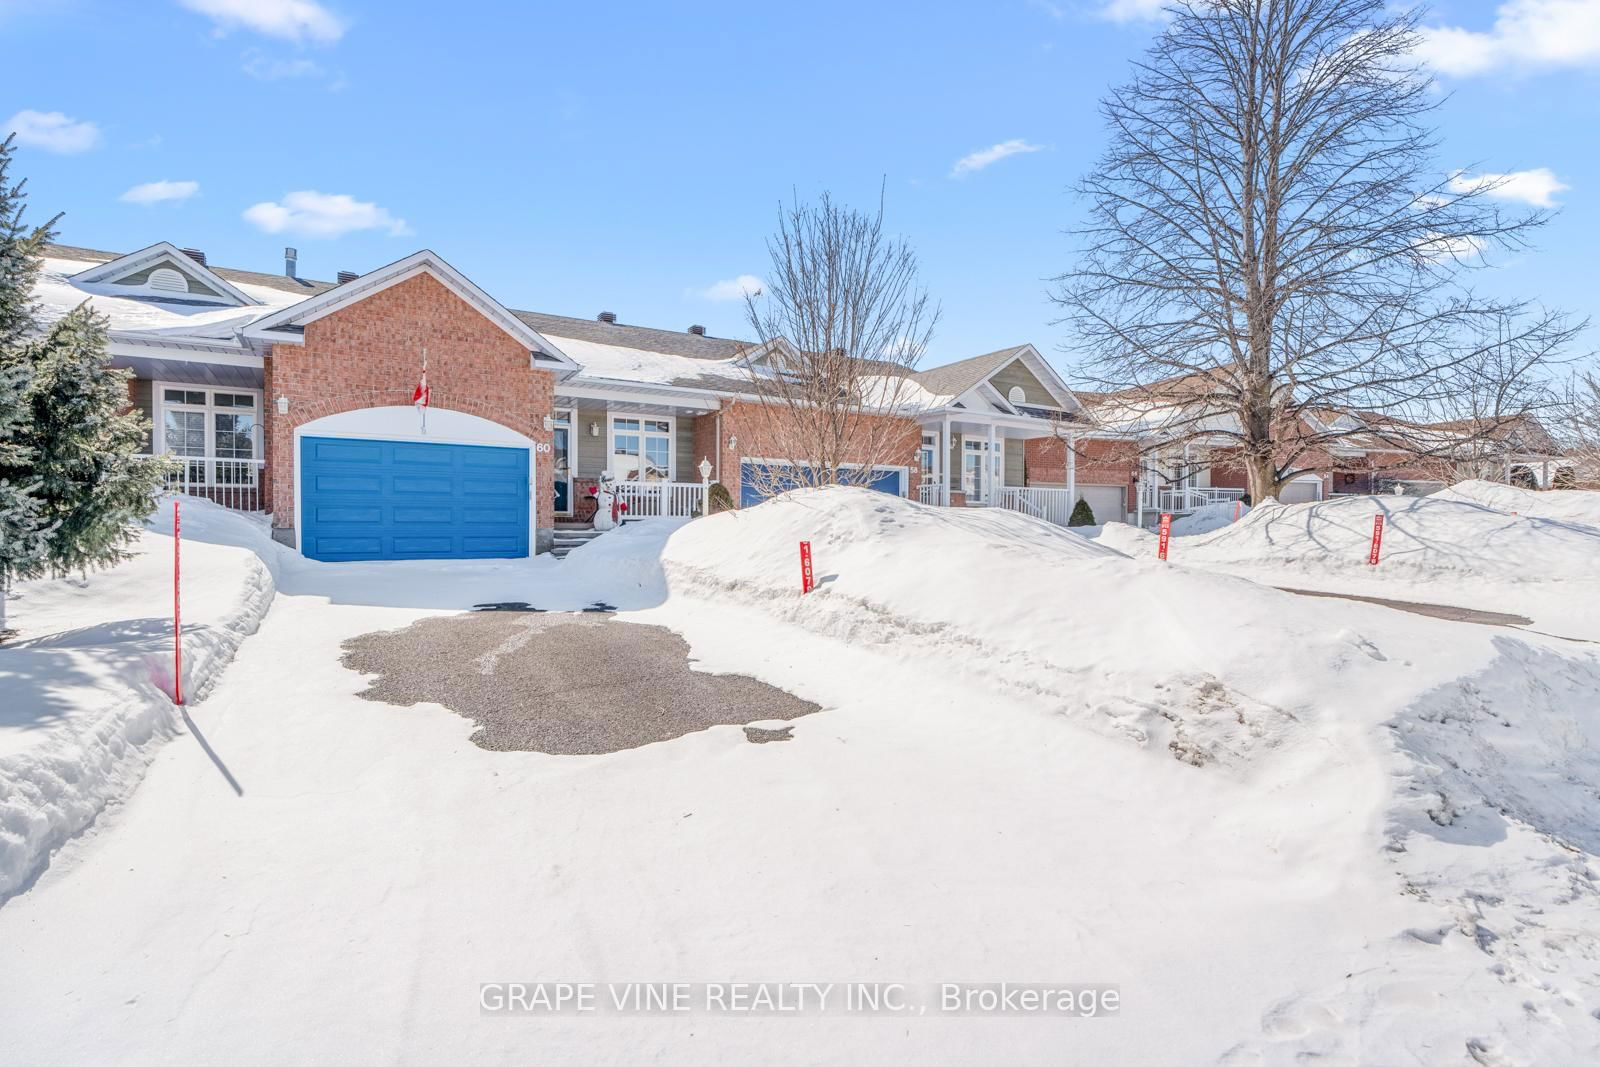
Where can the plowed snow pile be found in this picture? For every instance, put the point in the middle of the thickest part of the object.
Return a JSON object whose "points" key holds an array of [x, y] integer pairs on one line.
{"points": [[1456, 763], [1566, 505], [86, 684], [1023, 605], [1423, 537]]}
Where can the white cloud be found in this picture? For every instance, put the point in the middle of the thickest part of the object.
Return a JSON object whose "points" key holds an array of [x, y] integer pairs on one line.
{"points": [[156, 192], [267, 68], [291, 20], [52, 131], [309, 213], [732, 288], [1134, 10], [1537, 187], [991, 155], [1526, 35]]}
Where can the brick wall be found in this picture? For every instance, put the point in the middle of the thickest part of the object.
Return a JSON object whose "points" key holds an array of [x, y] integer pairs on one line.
{"points": [[740, 420], [370, 355], [1098, 463]]}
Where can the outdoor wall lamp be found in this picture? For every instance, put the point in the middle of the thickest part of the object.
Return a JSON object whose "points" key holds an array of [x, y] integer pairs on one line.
{"points": [[594, 429], [283, 405]]}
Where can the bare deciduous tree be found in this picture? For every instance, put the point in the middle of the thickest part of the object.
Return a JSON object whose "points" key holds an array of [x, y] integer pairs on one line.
{"points": [[1269, 241], [1579, 431], [841, 323]]}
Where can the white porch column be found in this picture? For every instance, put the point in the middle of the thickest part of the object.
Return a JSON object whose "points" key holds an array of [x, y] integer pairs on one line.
{"points": [[944, 459], [1072, 472], [989, 495]]}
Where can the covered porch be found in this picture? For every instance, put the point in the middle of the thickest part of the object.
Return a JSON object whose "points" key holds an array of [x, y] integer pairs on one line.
{"points": [[644, 437], [979, 460]]}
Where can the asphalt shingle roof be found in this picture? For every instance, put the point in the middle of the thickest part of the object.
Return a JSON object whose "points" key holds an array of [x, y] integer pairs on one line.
{"points": [[953, 379]]}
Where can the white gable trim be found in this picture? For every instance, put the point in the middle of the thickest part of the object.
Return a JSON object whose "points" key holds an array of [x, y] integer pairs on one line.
{"points": [[107, 273], [269, 328]]}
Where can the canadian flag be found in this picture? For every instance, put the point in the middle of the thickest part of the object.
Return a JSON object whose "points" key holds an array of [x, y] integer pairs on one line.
{"points": [[419, 397]]}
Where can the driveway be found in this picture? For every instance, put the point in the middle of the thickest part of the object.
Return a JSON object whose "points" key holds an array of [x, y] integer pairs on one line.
{"points": [[563, 683]]}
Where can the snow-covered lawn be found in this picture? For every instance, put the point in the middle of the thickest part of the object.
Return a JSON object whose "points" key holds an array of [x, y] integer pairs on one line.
{"points": [[1284, 827], [87, 684]]}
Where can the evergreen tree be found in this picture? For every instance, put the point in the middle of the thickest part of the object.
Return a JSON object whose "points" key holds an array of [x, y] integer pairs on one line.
{"points": [[1082, 514], [23, 534], [72, 492], [94, 488]]}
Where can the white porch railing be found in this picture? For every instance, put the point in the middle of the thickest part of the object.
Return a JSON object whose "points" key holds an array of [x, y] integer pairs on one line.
{"points": [[1051, 505], [930, 493], [1178, 499], [656, 500], [233, 483]]}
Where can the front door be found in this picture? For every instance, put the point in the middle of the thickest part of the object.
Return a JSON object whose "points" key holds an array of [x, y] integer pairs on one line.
{"points": [[561, 463]]}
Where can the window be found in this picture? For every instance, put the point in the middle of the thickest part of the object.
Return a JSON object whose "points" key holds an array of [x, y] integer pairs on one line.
{"points": [[168, 280], [930, 445], [641, 448], [216, 429]]}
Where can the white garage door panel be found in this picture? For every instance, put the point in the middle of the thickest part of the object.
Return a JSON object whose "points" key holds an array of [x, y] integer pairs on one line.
{"points": [[1107, 502]]}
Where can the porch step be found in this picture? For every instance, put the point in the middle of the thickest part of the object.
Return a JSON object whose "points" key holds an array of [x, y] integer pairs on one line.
{"points": [[568, 538]]}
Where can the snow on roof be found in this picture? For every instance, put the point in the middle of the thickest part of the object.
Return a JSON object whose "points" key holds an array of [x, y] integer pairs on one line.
{"points": [[620, 363], [57, 295]]}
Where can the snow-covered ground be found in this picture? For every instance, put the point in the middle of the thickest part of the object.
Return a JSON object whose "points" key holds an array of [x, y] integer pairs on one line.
{"points": [[1438, 549], [1568, 505], [88, 682], [1287, 828]]}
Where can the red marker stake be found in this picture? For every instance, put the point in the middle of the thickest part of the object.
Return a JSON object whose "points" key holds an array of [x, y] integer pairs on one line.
{"points": [[1237, 506], [177, 622], [806, 584], [1166, 535], [1377, 539]]}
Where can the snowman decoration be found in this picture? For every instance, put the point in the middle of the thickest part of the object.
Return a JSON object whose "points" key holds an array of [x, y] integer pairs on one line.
{"points": [[608, 515]]}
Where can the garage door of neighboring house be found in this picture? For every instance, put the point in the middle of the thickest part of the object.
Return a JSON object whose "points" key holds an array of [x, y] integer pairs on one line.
{"points": [[885, 480], [1108, 502], [1301, 490], [370, 499]]}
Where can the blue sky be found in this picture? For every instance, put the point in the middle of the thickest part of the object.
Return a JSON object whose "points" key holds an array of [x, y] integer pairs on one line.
{"points": [[631, 157]]}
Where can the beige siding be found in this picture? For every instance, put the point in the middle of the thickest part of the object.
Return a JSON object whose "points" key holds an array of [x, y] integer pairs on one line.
{"points": [[683, 451], [142, 398], [1014, 456], [1016, 373], [591, 451], [196, 287]]}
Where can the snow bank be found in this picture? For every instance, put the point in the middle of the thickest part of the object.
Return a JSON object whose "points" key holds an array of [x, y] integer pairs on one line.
{"points": [[1423, 538], [87, 682], [1565, 505], [1209, 518], [1018, 605]]}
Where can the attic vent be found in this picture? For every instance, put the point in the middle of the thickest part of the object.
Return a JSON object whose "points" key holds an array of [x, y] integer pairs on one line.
{"points": [[607, 316], [168, 280], [1017, 396], [698, 331], [196, 255], [346, 276]]}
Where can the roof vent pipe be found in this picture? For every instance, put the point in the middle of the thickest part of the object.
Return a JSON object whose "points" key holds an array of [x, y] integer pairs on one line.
{"points": [[607, 316], [698, 331], [289, 258]]}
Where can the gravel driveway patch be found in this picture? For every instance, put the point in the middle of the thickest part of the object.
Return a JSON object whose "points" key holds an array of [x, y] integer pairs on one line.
{"points": [[560, 682]]}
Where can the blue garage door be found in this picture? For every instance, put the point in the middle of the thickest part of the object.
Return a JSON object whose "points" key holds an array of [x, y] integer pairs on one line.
{"points": [[404, 500], [885, 481]]}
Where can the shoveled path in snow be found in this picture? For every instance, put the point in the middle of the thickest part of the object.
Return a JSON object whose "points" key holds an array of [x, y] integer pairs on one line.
{"points": [[1452, 612], [378, 867]]}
